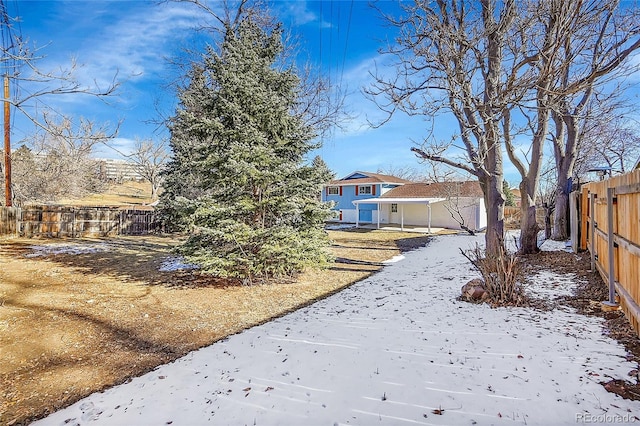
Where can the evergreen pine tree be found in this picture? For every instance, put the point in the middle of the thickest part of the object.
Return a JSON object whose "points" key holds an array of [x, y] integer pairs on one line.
{"points": [[238, 179], [509, 199], [325, 174]]}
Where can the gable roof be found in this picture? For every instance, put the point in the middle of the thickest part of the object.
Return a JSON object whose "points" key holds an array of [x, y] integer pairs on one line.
{"points": [[357, 178], [434, 190]]}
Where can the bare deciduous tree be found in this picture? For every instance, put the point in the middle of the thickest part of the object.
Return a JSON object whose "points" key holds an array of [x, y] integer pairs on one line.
{"points": [[42, 83], [506, 71], [596, 45], [403, 172], [547, 194], [151, 159], [57, 164], [450, 58], [607, 140], [20, 61], [534, 48], [458, 205]]}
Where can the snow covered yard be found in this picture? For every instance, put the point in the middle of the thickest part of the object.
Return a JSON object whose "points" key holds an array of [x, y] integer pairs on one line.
{"points": [[396, 348]]}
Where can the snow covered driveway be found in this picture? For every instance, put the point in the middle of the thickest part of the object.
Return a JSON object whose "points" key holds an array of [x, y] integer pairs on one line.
{"points": [[394, 349]]}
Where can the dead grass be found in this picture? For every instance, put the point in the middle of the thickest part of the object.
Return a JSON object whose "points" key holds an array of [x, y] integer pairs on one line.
{"points": [[72, 324], [126, 193]]}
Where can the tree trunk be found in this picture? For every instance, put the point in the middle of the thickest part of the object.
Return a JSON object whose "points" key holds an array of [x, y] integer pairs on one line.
{"points": [[528, 224], [548, 212], [154, 191], [560, 222], [494, 203]]}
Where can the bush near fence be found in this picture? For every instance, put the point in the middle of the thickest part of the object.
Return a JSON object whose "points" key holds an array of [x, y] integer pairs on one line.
{"points": [[73, 222], [609, 215]]}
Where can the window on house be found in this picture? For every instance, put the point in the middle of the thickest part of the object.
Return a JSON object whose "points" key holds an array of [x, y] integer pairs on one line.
{"points": [[394, 208], [332, 190], [364, 190]]}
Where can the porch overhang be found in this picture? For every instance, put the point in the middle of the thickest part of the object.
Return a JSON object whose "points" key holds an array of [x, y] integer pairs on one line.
{"points": [[400, 202]]}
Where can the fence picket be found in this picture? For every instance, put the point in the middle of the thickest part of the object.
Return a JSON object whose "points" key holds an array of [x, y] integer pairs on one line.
{"points": [[74, 222], [612, 230]]}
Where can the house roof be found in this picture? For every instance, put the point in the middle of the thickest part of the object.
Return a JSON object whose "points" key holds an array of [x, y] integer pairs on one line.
{"points": [[406, 200], [436, 190], [358, 178]]}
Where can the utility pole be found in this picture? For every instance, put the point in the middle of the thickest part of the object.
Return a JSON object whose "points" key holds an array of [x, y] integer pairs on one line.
{"points": [[7, 144]]}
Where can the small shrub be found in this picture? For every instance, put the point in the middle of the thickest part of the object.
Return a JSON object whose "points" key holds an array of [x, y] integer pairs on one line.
{"points": [[500, 273]]}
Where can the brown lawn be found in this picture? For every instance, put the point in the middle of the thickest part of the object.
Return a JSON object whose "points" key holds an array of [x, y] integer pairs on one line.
{"points": [[131, 193], [73, 324]]}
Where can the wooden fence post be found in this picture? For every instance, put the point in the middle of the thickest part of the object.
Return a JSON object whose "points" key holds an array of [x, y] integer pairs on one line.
{"points": [[592, 230], [611, 191], [574, 206]]}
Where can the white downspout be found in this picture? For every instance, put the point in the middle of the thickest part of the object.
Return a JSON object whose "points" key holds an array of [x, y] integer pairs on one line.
{"points": [[357, 215], [378, 215], [429, 219], [402, 217]]}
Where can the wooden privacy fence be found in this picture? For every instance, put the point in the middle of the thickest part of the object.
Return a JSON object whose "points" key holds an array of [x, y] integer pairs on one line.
{"points": [[9, 220], [513, 215], [64, 221], [610, 230]]}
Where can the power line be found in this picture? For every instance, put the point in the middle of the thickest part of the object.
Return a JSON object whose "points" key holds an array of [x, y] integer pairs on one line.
{"points": [[320, 29], [10, 45], [11, 38], [331, 41], [346, 42]]}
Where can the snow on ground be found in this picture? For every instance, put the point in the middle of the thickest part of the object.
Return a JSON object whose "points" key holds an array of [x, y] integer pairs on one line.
{"points": [[339, 226], [548, 285], [394, 349], [175, 263], [171, 263], [61, 248], [551, 245], [395, 259]]}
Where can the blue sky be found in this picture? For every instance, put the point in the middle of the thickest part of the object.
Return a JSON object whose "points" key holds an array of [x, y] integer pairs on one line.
{"points": [[133, 39]]}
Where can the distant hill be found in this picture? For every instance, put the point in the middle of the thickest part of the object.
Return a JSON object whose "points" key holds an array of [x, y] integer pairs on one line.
{"points": [[127, 193]]}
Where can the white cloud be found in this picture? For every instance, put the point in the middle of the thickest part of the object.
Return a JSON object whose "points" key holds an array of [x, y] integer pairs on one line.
{"points": [[131, 46], [297, 11], [139, 43], [116, 148], [299, 14]]}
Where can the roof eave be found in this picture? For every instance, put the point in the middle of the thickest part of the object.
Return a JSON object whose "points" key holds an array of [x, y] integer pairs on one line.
{"points": [[408, 200]]}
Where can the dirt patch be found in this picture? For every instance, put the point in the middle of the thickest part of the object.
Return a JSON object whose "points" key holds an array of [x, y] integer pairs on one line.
{"points": [[79, 316], [590, 291]]}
